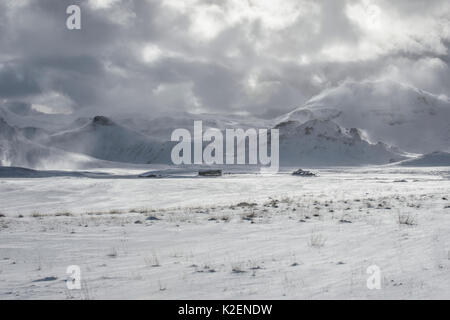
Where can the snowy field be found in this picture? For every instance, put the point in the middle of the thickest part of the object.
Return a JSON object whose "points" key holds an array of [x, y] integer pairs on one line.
{"points": [[240, 236]]}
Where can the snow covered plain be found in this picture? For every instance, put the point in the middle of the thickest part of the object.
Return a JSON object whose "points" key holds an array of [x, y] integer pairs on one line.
{"points": [[240, 236]]}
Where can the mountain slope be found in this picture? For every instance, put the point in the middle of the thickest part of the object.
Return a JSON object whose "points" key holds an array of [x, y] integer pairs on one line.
{"points": [[162, 126], [17, 150], [411, 119], [324, 143], [104, 139], [434, 159]]}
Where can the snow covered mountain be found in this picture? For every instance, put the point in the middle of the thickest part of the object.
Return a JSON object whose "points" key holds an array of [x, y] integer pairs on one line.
{"points": [[314, 143], [104, 139], [403, 118], [323, 142], [400, 115], [162, 126]]}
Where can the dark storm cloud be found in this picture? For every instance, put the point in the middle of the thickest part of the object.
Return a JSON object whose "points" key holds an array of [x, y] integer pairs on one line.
{"points": [[16, 81], [260, 57]]}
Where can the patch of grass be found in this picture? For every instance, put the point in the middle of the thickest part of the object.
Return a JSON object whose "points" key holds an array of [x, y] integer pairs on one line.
{"points": [[246, 204], [249, 216], [237, 268], [162, 287], [98, 213], [36, 215], [113, 253], [272, 203], [345, 219], [206, 269], [115, 211], [142, 210], [286, 200], [407, 219], [152, 261], [317, 240], [63, 214], [254, 265]]}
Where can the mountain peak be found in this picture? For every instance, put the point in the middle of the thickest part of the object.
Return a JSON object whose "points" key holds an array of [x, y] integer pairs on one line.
{"points": [[412, 119], [102, 121]]}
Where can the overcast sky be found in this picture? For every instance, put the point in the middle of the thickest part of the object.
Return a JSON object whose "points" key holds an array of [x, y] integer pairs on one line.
{"points": [[260, 57]]}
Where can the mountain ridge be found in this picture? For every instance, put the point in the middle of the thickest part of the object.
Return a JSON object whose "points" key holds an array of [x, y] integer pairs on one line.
{"points": [[400, 115], [371, 122]]}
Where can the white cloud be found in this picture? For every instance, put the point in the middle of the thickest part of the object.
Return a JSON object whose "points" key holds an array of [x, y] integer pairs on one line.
{"points": [[52, 103], [102, 4], [151, 53], [386, 31]]}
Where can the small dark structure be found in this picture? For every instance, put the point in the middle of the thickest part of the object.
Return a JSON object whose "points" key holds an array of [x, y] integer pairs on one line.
{"points": [[303, 173], [210, 173]]}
